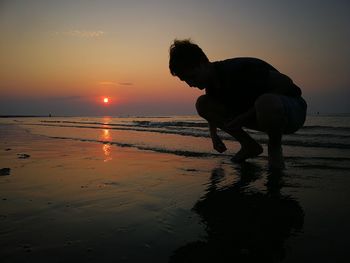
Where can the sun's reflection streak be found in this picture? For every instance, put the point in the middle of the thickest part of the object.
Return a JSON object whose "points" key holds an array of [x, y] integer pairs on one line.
{"points": [[106, 136], [106, 148], [107, 152], [106, 120]]}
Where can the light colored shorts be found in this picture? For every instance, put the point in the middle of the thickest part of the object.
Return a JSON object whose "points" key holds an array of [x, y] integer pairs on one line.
{"points": [[295, 108]]}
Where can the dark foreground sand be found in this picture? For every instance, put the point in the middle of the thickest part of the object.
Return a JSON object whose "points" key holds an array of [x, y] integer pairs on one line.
{"points": [[71, 201]]}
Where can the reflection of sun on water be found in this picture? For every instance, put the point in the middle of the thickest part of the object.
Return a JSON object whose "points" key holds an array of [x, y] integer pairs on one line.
{"points": [[106, 120], [107, 152], [106, 136], [106, 148]]}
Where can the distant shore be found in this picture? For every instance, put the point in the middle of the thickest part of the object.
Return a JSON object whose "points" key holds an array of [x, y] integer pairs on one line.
{"points": [[156, 116], [24, 116]]}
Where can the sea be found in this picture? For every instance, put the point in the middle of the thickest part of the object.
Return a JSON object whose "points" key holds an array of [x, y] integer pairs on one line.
{"points": [[324, 141], [69, 191]]}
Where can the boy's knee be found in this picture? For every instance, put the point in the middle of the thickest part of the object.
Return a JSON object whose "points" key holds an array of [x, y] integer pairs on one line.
{"points": [[270, 112], [203, 105]]}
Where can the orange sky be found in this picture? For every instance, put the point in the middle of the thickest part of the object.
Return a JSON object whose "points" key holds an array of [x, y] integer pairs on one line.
{"points": [[57, 50]]}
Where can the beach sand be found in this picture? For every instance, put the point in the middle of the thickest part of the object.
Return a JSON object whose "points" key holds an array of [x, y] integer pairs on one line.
{"points": [[69, 200]]}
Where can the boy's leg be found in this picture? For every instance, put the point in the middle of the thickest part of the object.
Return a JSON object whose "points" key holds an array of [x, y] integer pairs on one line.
{"points": [[272, 119], [217, 115]]}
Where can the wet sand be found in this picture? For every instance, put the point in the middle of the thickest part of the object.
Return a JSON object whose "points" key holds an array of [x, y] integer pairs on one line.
{"points": [[68, 200]]}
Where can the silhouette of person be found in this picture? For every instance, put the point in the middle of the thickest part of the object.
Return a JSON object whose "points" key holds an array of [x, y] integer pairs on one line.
{"points": [[241, 93], [243, 225]]}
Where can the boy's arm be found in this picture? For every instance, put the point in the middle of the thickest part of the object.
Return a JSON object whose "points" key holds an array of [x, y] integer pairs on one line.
{"points": [[241, 119], [218, 144], [281, 84]]}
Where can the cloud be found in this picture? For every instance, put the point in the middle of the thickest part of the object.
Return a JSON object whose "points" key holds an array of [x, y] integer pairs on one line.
{"points": [[81, 33], [126, 83], [66, 98], [107, 83], [112, 83]]}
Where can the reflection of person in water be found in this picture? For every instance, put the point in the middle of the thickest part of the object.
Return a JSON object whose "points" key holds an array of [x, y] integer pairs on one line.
{"points": [[243, 225]]}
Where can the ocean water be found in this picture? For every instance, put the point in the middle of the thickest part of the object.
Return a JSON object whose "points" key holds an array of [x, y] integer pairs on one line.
{"points": [[91, 201], [323, 141]]}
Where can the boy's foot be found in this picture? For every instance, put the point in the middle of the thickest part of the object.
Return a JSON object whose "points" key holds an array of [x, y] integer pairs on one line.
{"points": [[275, 157], [246, 152]]}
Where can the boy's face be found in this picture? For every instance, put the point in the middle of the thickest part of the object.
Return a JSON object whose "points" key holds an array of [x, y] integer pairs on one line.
{"points": [[195, 77]]}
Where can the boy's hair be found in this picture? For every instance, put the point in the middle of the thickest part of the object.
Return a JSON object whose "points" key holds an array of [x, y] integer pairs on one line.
{"points": [[185, 55]]}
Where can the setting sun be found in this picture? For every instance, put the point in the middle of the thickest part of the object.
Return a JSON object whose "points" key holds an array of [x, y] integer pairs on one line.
{"points": [[105, 100]]}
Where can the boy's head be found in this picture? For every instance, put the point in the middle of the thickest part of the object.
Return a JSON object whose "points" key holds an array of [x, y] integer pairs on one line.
{"points": [[186, 58]]}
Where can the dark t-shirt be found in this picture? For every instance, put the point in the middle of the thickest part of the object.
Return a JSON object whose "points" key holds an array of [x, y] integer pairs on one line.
{"points": [[242, 81]]}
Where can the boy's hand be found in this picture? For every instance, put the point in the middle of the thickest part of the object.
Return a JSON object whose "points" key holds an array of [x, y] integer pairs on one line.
{"points": [[218, 145]]}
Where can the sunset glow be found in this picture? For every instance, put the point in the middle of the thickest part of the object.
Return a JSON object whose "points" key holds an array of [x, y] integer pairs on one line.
{"points": [[120, 48]]}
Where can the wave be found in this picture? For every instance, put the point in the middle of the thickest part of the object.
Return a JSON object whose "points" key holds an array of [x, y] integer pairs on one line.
{"points": [[200, 124], [321, 166], [171, 124], [291, 140], [146, 148], [320, 135], [316, 144], [331, 128], [131, 128], [140, 123], [186, 153], [186, 125]]}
